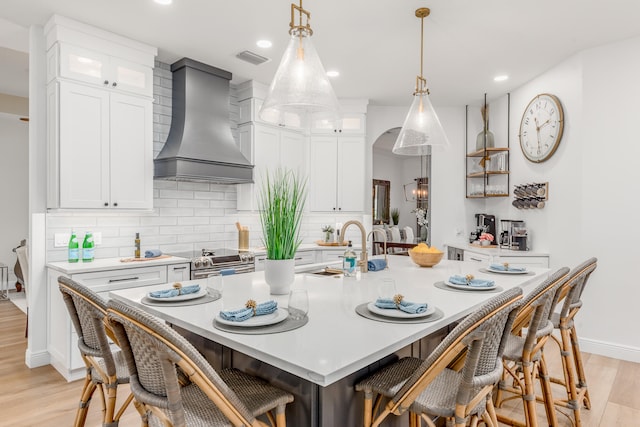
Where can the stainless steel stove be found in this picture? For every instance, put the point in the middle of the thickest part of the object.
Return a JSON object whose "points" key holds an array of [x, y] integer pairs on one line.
{"points": [[208, 262]]}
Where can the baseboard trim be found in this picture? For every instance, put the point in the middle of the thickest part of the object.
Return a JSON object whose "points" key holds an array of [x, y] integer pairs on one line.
{"points": [[616, 351], [37, 359]]}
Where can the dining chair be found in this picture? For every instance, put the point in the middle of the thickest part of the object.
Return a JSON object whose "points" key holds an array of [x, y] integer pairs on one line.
{"points": [[178, 387], [22, 253], [106, 367], [408, 233], [522, 358], [455, 381], [574, 380]]}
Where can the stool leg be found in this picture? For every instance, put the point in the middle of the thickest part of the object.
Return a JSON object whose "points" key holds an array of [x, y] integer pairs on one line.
{"points": [[577, 358], [547, 394]]}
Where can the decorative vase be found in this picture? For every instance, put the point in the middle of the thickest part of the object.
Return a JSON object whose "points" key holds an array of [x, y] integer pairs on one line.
{"points": [[480, 140], [423, 233], [328, 236], [279, 275]]}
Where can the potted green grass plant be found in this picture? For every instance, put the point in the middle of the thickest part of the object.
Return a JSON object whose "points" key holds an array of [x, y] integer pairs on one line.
{"points": [[281, 203]]}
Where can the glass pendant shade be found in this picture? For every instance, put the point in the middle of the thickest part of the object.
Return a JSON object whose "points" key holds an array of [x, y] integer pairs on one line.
{"points": [[300, 86], [421, 129]]}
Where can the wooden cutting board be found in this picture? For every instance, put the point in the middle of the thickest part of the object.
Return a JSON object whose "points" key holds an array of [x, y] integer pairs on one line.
{"points": [[144, 259], [321, 243]]}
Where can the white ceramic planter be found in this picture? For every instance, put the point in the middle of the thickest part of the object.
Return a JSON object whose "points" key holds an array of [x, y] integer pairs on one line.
{"points": [[279, 275]]}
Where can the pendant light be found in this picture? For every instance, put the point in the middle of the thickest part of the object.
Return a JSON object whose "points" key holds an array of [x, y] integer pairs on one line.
{"points": [[421, 128], [300, 86]]}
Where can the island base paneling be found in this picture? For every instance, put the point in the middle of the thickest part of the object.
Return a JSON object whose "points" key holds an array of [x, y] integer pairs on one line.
{"points": [[314, 405]]}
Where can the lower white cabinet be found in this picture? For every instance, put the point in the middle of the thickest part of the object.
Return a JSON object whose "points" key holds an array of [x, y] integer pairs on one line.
{"points": [[63, 340], [477, 257], [332, 256], [336, 174]]}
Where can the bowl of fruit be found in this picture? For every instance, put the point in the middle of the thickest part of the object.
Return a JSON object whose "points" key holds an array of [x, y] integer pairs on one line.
{"points": [[425, 256]]}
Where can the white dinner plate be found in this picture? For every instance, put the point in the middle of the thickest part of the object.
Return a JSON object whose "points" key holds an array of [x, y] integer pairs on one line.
{"points": [[470, 288], [507, 271], [392, 312], [266, 319], [202, 292]]}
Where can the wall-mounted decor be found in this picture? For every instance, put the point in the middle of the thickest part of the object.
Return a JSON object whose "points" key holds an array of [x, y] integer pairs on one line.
{"points": [[531, 196], [541, 127]]}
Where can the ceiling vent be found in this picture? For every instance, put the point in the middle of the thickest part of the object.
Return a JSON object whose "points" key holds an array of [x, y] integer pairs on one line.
{"points": [[252, 57]]}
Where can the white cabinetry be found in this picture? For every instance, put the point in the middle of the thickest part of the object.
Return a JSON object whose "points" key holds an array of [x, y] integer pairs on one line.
{"points": [[100, 148], [99, 118], [477, 257], [269, 147], [63, 340], [349, 123], [528, 261], [337, 174]]}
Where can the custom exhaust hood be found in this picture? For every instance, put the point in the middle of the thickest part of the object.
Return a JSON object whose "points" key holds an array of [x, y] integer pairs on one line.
{"points": [[200, 146]]}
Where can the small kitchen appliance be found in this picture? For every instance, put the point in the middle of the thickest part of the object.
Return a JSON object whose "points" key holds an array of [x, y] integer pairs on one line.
{"points": [[514, 235], [484, 224]]}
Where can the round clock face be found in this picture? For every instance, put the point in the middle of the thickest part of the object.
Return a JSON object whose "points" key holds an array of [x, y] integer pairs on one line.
{"points": [[541, 127]]}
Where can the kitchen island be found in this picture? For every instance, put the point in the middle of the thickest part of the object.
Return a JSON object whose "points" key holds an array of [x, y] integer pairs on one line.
{"points": [[320, 362]]}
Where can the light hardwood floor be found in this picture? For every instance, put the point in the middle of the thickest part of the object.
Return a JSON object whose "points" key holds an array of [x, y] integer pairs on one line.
{"points": [[41, 397]]}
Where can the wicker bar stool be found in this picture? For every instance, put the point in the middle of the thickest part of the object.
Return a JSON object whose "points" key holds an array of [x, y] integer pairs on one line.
{"points": [[177, 386], [574, 381], [456, 380], [522, 358], [106, 366]]}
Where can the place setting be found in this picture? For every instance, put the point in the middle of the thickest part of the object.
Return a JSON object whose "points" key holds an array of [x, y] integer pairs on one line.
{"points": [[266, 317], [468, 283], [506, 268], [179, 295], [393, 307]]}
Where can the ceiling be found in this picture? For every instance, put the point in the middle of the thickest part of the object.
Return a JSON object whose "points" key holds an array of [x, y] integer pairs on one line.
{"points": [[374, 44]]}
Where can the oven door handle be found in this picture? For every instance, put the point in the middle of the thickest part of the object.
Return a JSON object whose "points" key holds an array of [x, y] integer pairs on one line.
{"points": [[208, 273]]}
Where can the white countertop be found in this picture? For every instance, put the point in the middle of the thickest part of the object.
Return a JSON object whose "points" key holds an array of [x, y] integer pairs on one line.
{"points": [[307, 247], [103, 264], [336, 341], [465, 245]]}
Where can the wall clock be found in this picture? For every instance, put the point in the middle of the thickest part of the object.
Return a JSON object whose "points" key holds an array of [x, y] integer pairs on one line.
{"points": [[541, 127]]}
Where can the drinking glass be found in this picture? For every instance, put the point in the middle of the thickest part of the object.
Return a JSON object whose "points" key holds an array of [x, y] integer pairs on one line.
{"points": [[298, 304], [215, 285], [387, 288]]}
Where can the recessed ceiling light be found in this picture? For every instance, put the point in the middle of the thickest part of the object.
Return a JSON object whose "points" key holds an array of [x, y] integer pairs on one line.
{"points": [[264, 44], [500, 78], [333, 73], [164, 2]]}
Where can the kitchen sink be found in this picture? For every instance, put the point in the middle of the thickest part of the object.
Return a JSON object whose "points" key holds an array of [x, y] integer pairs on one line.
{"points": [[326, 272]]}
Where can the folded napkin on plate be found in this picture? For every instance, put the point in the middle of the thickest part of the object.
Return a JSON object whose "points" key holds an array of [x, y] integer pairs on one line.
{"points": [[174, 292], [376, 264], [506, 267], [152, 253], [477, 283], [247, 312], [406, 306]]}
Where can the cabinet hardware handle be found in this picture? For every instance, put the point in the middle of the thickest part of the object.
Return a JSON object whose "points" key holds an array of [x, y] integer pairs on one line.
{"points": [[124, 279], [115, 204], [179, 268], [475, 259], [297, 258], [106, 204], [106, 82], [114, 84]]}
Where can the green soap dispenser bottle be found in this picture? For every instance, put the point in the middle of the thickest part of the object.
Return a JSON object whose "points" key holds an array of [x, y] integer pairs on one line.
{"points": [[349, 262], [87, 247], [74, 251]]}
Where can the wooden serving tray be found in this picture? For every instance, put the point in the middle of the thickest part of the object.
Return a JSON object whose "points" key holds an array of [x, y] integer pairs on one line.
{"points": [[144, 259], [484, 247], [322, 243]]}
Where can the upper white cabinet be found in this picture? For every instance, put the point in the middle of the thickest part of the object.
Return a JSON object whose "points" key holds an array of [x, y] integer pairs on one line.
{"points": [[267, 148], [348, 123], [72, 62], [250, 112], [99, 118], [336, 173]]}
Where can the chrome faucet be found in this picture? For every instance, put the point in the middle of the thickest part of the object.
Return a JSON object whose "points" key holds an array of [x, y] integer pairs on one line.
{"points": [[364, 267], [384, 234]]}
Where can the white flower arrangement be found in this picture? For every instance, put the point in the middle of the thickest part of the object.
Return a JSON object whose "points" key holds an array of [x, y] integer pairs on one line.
{"points": [[421, 216]]}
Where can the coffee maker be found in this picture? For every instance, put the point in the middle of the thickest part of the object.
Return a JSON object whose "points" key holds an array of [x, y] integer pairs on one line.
{"points": [[484, 224], [514, 235]]}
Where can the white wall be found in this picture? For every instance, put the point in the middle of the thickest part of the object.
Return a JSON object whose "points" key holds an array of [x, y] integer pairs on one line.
{"points": [[14, 187]]}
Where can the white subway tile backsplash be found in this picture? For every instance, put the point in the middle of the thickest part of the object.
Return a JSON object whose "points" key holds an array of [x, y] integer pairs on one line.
{"points": [[164, 203], [209, 195], [165, 184], [198, 238], [159, 220], [193, 203], [199, 186], [176, 212], [195, 220], [176, 194], [176, 229], [209, 212]]}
